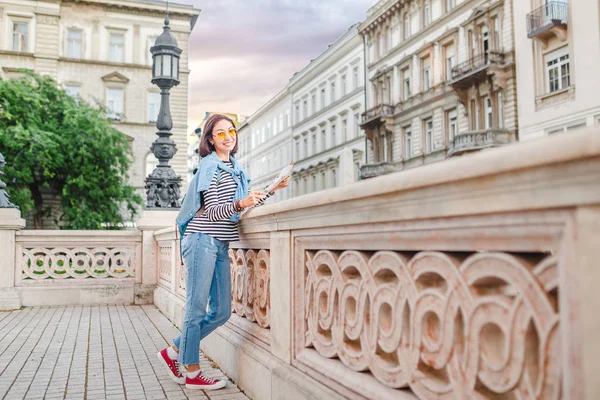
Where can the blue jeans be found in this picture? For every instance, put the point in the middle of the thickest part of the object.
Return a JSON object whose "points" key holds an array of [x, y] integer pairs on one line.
{"points": [[208, 281]]}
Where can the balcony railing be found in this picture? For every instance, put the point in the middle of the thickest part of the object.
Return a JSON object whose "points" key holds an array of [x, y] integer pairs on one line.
{"points": [[381, 110], [479, 139], [372, 170], [553, 13], [476, 63]]}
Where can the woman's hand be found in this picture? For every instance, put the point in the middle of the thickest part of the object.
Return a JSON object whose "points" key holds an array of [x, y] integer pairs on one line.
{"points": [[283, 184], [252, 199]]}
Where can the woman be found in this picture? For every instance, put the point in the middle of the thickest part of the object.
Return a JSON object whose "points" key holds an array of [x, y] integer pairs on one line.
{"points": [[207, 222]]}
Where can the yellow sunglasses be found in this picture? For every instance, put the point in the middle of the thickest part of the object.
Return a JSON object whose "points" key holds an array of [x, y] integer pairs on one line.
{"points": [[221, 134]]}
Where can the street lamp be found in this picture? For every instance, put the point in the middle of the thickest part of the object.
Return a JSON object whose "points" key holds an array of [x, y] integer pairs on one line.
{"points": [[163, 185], [4, 202]]}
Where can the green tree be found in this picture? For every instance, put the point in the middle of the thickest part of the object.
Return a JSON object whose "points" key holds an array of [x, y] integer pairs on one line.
{"points": [[51, 140]]}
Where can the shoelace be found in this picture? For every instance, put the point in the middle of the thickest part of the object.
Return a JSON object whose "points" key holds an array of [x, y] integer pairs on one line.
{"points": [[177, 367], [207, 379]]}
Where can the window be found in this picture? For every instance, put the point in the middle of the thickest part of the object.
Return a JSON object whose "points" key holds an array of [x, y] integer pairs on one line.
{"points": [[344, 130], [566, 128], [322, 97], [323, 140], [426, 14], [343, 85], [297, 150], [314, 142], [73, 90], [408, 142], [406, 85], [114, 103], [451, 124], [115, 47], [489, 112], [151, 163], [428, 128], [474, 115], [280, 122], [151, 42], [313, 103], [450, 60], [558, 70], [305, 143], [497, 33], [297, 113], [288, 121], [355, 77], [485, 37], [426, 63], [500, 110], [357, 124], [20, 36], [323, 180], [74, 43], [305, 108], [334, 177], [333, 135], [406, 24], [450, 5], [332, 92], [153, 106]]}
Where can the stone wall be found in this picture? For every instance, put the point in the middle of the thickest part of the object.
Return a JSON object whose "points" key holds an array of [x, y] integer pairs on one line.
{"points": [[469, 278]]}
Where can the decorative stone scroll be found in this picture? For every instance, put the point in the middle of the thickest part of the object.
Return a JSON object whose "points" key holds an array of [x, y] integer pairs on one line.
{"points": [[449, 326], [78, 263], [250, 280]]}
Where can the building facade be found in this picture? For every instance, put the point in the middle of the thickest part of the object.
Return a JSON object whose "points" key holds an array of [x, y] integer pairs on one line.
{"points": [[99, 50], [557, 71], [441, 80], [327, 102], [264, 143]]}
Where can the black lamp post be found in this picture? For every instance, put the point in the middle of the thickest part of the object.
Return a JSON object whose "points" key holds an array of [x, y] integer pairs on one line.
{"points": [[4, 202], [163, 185]]}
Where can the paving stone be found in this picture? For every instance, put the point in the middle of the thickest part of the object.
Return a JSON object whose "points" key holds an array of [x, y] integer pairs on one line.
{"points": [[110, 354]]}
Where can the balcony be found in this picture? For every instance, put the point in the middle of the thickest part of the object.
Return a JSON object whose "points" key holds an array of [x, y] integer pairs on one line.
{"points": [[372, 170], [373, 115], [547, 21], [480, 139], [475, 69]]}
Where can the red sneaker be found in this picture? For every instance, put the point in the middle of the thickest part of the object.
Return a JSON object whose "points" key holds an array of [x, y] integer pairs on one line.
{"points": [[202, 382], [172, 366]]}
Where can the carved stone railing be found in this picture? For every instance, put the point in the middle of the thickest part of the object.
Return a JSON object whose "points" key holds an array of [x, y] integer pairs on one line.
{"points": [[382, 110], [477, 140], [250, 279], [373, 170], [471, 278], [76, 255], [79, 267]]}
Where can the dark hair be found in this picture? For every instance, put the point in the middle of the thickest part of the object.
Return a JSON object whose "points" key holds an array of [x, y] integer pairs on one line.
{"points": [[206, 147]]}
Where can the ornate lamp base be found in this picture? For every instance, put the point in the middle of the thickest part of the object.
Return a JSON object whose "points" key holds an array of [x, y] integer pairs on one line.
{"points": [[163, 188]]}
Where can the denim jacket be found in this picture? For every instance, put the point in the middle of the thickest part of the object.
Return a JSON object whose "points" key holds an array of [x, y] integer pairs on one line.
{"points": [[192, 200]]}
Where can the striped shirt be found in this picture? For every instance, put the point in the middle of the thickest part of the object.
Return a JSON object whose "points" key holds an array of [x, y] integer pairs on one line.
{"points": [[218, 208]]}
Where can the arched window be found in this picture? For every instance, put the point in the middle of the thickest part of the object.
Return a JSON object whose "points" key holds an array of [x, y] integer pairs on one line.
{"points": [[151, 163]]}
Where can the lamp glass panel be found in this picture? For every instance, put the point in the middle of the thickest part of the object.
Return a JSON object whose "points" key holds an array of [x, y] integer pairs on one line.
{"points": [[167, 60]]}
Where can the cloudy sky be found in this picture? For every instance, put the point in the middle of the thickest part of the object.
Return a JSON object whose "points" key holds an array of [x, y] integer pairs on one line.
{"points": [[243, 52]]}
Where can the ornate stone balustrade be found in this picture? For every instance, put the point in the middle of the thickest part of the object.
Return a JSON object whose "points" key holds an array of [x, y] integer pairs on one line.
{"points": [[71, 267], [250, 279], [471, 278]]}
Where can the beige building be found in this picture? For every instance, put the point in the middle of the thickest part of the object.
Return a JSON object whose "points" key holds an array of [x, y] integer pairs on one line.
{"points": [[557, 69], [100, 50], [442, 80]]}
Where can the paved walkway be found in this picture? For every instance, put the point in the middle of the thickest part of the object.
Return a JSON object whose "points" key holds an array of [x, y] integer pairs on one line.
{"points": [[95, 352]]}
